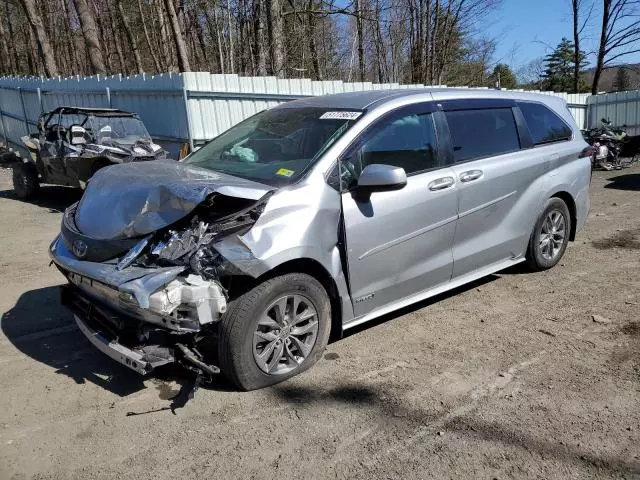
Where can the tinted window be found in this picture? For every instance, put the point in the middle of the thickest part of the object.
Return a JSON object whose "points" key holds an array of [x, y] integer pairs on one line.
{"points": [[545, 126], [408, 142], [482, 133]]}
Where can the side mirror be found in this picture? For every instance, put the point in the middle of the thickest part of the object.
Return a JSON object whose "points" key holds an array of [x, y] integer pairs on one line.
{"points": [[78, 135], [376, 177]]}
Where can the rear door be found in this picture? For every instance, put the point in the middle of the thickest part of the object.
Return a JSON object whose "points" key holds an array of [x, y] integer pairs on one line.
{"points": [[496, 170], [399, 242]]}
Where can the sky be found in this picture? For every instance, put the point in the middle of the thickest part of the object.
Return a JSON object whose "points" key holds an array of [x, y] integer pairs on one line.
{"points": [[529, 29]]}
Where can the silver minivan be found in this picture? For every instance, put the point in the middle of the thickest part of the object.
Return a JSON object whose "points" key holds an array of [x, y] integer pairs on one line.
{"points": [[313, 217]]}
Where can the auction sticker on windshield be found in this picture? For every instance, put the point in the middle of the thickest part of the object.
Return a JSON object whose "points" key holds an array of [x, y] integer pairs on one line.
{"points": [[285, 172], [340, 115]]}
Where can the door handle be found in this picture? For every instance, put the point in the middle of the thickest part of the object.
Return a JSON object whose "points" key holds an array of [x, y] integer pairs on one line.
{"points": [[470, 176], [441, 183]]}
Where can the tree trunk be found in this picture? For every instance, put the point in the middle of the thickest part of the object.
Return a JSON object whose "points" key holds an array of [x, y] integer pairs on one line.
{"points": [[199, 32], [276, 37], [576, 44], [261, 55], [427, 41], [32, 51], [12, 44], [241, 41], [103, 39], [5, 57], [181, 47], [164, 37], [214, 32], [311, 38], [44, 46], [69, 43], [434, 40], [152, 51], [90, 34], [230, 36], [130, 37], [361, 69], [602, 49], [117, 40]]}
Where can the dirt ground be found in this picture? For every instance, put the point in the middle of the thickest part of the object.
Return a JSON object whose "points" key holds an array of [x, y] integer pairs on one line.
{"points": [[510, 377]]}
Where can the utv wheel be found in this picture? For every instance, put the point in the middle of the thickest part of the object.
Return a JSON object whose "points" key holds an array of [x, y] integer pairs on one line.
{"points": [[275, 331], [550, 235], [25, 181]]}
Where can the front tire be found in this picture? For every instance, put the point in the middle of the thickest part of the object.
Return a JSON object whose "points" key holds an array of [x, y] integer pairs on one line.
{"points": [[25, 181], [277, 330], [550, 235]]}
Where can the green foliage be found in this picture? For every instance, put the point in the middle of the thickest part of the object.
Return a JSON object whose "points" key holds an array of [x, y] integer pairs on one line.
{"points": [[503, 77], [559, 68]]}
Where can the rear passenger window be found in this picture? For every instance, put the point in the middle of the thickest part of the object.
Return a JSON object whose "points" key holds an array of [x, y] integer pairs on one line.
{"points": [[544, 124], [482, 133]]}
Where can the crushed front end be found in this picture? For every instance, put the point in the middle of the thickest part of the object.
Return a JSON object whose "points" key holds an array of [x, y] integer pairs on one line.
{"points": [[154, 299]]}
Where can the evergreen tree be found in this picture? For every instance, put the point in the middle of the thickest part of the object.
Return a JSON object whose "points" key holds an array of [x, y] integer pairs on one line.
{"points": [[623, 82], [558, 74], [503, 77]]}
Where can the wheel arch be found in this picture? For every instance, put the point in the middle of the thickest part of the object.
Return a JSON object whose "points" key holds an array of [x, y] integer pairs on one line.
{"points": [[568, 199], [315, 269]]}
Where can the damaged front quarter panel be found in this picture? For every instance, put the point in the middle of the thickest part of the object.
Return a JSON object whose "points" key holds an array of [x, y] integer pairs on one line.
{"points": [[293, 227]]}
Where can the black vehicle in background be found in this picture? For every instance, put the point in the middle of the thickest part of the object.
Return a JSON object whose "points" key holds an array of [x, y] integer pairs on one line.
{"points": [[73, 143]]}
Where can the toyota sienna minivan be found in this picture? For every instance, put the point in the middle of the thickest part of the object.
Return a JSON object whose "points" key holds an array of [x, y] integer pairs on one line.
{"points": [[313, 217]]}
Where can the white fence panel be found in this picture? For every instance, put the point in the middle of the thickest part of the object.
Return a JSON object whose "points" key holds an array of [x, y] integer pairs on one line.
{"points": [[622, 108], [194, 107]]}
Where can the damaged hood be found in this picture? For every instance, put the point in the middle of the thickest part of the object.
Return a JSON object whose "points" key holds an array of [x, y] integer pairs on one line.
{"points": [[134, 199]]}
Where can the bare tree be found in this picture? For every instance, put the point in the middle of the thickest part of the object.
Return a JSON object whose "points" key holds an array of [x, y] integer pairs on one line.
{"points": [[620, 34], [130, 37], [44, 46], [145, 30], [578, 7], [276, 37], [90, 33], [5, 57], [360, 34], [259, 21], [181, 47]]}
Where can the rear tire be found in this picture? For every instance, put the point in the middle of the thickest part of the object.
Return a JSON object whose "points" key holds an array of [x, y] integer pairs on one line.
{"points": [[25, 181], [550, 235], [250, 328]]}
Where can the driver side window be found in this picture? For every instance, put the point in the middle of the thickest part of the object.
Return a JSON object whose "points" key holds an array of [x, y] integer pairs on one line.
{"points": [[406, 141]]}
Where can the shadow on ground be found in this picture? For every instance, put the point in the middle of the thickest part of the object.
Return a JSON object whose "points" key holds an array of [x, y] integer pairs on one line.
{"points": [[630, 181], [415, 425], [41, 328], [52, 197]]}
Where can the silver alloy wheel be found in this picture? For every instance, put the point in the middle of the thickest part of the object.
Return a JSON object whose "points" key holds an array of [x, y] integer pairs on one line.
{"points": [[285, 335], [552, 234]]}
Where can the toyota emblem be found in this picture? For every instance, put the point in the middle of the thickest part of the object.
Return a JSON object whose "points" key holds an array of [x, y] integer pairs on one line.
{"points": [[79, 248]]}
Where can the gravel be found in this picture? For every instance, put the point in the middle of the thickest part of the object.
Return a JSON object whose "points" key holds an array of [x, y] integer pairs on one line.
{"points": [[536, 390]]}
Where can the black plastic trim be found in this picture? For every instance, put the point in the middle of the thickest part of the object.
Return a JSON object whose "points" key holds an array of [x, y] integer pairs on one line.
{"points": [[475, 103]]}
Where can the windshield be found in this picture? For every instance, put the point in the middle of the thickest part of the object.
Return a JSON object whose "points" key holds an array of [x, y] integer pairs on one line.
{"points": [[275, 146], [126, 130]]}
